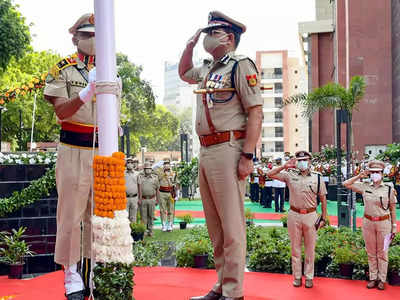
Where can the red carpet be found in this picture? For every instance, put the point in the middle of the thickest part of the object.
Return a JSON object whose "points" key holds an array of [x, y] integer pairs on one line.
{"points": [[258, 216], [161, 283]]}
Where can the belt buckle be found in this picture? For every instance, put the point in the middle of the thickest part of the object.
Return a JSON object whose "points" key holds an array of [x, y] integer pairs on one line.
{"points": [[375, 218], [303, 211]]}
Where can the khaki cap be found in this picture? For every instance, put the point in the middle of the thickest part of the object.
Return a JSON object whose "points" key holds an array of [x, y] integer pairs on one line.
{"points": [[301, 155], [84, 23], [147, 165], [218, 19], [376, 165]]}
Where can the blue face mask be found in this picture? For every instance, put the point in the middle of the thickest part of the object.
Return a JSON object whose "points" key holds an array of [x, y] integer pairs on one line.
{"points": [[302, 165]]}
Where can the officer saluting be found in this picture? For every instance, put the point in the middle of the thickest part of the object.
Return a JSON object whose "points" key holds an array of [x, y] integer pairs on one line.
{"points": [[379, 219], [228, 122], [303, 187]]}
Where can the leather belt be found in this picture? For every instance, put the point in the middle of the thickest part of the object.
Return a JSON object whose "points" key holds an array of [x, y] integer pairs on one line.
{"points": [[166, 189], [79, 139], [220, 137], [380, 218], [131, 195], [148, 197], [303, 211]]}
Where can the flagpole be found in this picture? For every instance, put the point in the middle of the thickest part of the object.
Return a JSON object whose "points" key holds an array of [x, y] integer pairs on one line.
{"points": [[107, 114]]}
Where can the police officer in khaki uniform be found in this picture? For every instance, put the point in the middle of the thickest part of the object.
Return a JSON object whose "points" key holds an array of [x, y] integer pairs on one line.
{"points": [[303, 188], [149, 197], [131, 179], [70, 88], [379, 218], [228, 122], [167, 179]]}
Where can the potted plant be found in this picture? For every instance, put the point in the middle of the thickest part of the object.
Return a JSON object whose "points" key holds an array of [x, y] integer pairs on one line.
{"points": [[344, 257], [200, 249], [137, 231], [284, 219], [249, 216], [361, 268], [394, 265], [14, 251], [185, 219]]}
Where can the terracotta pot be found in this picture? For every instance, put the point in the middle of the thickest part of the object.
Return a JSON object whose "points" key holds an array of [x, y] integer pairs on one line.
{"points": [[16, 271]]}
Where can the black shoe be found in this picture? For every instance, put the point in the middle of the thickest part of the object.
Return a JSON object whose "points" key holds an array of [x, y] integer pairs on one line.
{"points": [[79, 295], [282, 210]]}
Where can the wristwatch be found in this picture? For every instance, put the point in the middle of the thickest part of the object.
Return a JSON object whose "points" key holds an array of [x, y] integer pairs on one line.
{"points": [[247, 155]]}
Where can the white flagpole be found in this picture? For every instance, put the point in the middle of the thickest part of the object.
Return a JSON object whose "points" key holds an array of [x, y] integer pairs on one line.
{"points": [[106, 71]]}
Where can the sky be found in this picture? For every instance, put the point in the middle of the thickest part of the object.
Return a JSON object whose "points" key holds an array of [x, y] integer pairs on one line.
{"points": [[151, 32]]}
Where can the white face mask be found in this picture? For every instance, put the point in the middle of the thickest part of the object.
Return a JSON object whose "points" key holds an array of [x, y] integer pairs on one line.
{"points": [[376, 177], [88, 46], [147, 171], [211, 43], [302, 165]]}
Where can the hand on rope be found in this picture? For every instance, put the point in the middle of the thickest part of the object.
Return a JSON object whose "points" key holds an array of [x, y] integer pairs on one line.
{"points": [[88, 92]]}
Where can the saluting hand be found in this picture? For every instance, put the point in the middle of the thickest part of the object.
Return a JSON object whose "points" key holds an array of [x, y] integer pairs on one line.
{"points": [[291, 163], [364, 174], [194, 39]]}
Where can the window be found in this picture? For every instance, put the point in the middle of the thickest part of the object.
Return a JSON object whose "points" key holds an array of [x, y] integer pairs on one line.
{"points": [[297, 145], [278, 101], [295, 71], [278, 146], [295, 86], [278, 117], [296, 130], [295, 115], [278, 71], [278, 131], [278, 87]]}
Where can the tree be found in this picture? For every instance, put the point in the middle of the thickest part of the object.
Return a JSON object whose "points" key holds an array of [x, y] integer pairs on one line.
{"points": [[14, 33], [151, 126], [17, 73], [185, 125]]}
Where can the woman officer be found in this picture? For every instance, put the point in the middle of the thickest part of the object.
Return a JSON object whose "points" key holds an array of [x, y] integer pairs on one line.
{"points": [[379, 219]]}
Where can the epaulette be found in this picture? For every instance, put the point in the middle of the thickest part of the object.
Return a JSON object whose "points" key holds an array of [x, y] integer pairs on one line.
{"points": [[62, 64]]}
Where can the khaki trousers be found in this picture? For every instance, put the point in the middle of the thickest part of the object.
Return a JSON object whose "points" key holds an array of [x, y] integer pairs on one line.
{"points": [[374, 234], [74, 187], [302, 226], [147, 212], [132, 207], [222, 195], [166, 208]]}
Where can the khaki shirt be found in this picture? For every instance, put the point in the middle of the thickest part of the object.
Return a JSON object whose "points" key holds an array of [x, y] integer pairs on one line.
{"points": [[226, 114], [302, 189], [166, 180], [149, 184], [373, 195], [131, 179], [67, 83]]}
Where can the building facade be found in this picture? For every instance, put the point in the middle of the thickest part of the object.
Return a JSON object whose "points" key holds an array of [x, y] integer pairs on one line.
{"points": [[352, 38], [283, 128]]}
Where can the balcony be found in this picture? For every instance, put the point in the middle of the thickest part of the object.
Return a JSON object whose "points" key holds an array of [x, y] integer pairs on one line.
{"points": [[271, 124], [271, 139]]}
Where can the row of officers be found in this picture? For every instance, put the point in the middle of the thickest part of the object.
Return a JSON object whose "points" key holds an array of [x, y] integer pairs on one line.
{"points": [[148, 188]]}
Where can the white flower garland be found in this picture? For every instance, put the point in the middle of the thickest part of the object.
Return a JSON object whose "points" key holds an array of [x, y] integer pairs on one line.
{"points": [[112, 239], [28, 158]]}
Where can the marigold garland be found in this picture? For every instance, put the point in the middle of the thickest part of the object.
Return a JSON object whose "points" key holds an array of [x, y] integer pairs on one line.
{"points": [[9, 95], [109, 184]]}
